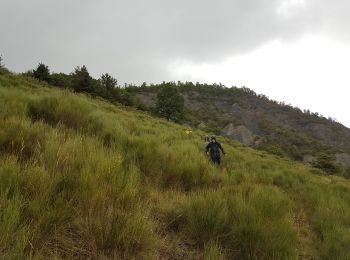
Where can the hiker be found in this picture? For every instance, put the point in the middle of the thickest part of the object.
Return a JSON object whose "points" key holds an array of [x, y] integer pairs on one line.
{"points": [[188, 131], [214, 148], [206, 140]]}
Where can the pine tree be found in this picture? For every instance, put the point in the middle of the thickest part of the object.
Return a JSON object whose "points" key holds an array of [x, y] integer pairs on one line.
{"points": [[1, 62], [170, 103], [108, 81], [81, 80], [42, 72]]}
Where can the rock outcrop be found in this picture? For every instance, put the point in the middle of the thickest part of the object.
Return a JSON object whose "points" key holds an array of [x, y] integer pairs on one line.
{"points": [[343, 159], [240, 133]]}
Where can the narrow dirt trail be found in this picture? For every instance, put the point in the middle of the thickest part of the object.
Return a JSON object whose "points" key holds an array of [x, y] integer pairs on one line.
{"points": [[306, 237]]}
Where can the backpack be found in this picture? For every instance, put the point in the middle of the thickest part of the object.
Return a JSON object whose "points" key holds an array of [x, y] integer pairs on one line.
{"points": [[215, 150]]}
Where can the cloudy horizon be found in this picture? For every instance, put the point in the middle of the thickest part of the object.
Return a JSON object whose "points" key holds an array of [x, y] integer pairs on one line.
{"points": [[296, 51]]}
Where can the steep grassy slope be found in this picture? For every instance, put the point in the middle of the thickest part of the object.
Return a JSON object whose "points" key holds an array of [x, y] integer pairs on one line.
{"points": [[264, 124], [81, 178]]}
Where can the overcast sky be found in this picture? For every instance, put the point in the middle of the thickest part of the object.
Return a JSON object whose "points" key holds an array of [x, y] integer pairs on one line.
{"points": [[297, 51]]}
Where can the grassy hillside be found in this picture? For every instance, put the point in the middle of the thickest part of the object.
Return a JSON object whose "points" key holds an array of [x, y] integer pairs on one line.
{"points": [[82, 178], [264, 124]]}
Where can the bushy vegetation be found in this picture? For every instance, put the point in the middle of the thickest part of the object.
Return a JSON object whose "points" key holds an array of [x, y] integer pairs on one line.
{"points": [[80, 80], [3, 69], [1, 62], [85, 178]]}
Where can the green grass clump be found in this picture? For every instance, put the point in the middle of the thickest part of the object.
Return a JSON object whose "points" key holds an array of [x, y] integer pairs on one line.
{"points": [[19, 137], [82, 178], [213, 252], [248, 223]]}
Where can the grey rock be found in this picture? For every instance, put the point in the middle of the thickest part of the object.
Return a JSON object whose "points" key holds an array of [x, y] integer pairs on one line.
{"points": [[240, 133], [308, 158], [147, 99], [343, 159]]}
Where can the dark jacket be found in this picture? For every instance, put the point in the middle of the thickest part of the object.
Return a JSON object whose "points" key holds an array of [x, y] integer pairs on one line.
{"points": [[214, 149]]}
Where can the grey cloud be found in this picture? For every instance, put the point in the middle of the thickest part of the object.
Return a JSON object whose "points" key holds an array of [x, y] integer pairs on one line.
{"points": [[135, 40]]}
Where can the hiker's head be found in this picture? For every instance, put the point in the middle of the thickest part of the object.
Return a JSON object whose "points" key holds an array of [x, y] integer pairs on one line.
{"points": [[213, 139]]}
